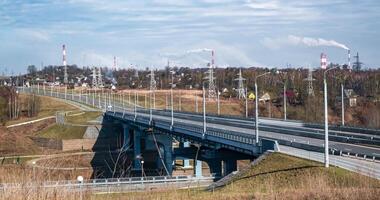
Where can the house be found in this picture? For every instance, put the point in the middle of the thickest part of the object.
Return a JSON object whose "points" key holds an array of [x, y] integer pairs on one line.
{"points": [[350, 97], [265, 97]]}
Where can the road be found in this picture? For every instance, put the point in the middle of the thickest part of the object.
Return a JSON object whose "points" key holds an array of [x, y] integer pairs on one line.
{"points": [[246, 127]]}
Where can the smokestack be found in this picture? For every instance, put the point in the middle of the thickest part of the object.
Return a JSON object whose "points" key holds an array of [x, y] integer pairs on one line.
{"points": [[65, 76], [114, 64], [323, 61], [212, 58], [349, 59], [64, 55]]}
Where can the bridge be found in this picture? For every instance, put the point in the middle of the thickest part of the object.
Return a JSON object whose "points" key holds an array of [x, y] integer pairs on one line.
{"points": [[222, 140]]}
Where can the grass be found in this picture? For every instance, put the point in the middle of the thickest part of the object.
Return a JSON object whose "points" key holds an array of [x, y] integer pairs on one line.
{"points": [[277, 177], [63, 132], [82, 118]]}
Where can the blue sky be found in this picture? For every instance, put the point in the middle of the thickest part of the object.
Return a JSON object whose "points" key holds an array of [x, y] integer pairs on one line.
{"points": [[146, 33]]}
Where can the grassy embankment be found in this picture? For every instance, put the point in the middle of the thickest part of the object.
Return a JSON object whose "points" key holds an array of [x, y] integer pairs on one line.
{"points": [[277, 177], [75, 128]]}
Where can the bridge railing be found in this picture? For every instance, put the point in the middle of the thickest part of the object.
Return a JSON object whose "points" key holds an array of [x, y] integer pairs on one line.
{"points": [[111, 181]]}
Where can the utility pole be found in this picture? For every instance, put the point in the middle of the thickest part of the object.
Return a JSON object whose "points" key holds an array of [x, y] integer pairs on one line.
{"points": [[218, 103], [246, 102], [285, 101], [342, 88]]}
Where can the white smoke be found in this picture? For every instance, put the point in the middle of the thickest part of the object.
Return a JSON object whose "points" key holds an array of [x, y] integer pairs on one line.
{"points": [[314, 42], [198, 50]]}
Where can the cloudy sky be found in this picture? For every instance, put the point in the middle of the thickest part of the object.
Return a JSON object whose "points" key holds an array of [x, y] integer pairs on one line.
{"points": [[268, 33]]}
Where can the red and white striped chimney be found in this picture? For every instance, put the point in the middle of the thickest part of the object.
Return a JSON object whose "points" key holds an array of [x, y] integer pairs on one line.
{"points": [[64, 55], [323, 61]]}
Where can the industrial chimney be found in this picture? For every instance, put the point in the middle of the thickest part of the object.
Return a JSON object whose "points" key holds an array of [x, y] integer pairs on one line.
{"points": [[323, 61]]}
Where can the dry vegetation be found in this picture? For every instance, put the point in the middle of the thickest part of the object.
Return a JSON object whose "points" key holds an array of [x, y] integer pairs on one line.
{"points": [[49, 106], [277, 177]]}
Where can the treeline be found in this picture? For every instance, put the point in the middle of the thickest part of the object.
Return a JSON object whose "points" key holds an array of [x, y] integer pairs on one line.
{"points": [[14, 106]]}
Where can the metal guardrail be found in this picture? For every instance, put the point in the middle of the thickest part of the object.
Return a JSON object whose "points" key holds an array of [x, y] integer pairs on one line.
{"points": [[111, 182]]}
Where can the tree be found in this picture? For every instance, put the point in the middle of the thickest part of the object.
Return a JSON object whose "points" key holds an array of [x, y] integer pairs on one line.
{"points": [[32, 69]]}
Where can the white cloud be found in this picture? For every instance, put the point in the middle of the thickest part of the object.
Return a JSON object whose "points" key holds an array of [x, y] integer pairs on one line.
{"points": [[35, 34]]}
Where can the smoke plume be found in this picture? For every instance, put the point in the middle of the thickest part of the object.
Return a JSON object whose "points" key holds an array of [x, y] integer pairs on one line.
{"points": [[198, 50], [314, 42]]}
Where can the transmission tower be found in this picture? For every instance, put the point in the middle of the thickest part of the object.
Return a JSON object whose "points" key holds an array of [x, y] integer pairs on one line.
{"points": [[94, 81], [357, 65], [241, 89], [310, 79], [65, 75], [211, 79], [153, 83], [100, 79]]}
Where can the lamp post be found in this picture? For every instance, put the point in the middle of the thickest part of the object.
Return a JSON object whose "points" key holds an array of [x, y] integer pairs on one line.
{"points": [[326, 118], [171, 102], [135, 105], [246, 102], [285, 101], [218, 99], [257, 107], [204, 113]]}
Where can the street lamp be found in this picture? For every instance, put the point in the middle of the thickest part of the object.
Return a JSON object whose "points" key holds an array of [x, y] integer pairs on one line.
{"points": [[204, 112], [326, 118], [257, 107], [171, 101]]}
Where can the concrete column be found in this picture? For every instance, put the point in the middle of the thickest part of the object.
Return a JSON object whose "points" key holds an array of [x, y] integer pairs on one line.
{"points": [[126, 136], [136, 149], [229, 166], [198, 168], [168, 154], [216, 168]]}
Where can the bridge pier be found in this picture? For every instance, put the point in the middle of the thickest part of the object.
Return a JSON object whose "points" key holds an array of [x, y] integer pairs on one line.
{"points": [[198, 168], [126, 137], [229, 166], [215, 168]]}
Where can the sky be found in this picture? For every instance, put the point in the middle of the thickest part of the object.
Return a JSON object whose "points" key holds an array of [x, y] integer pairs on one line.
{"points": [[243, 33]]}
